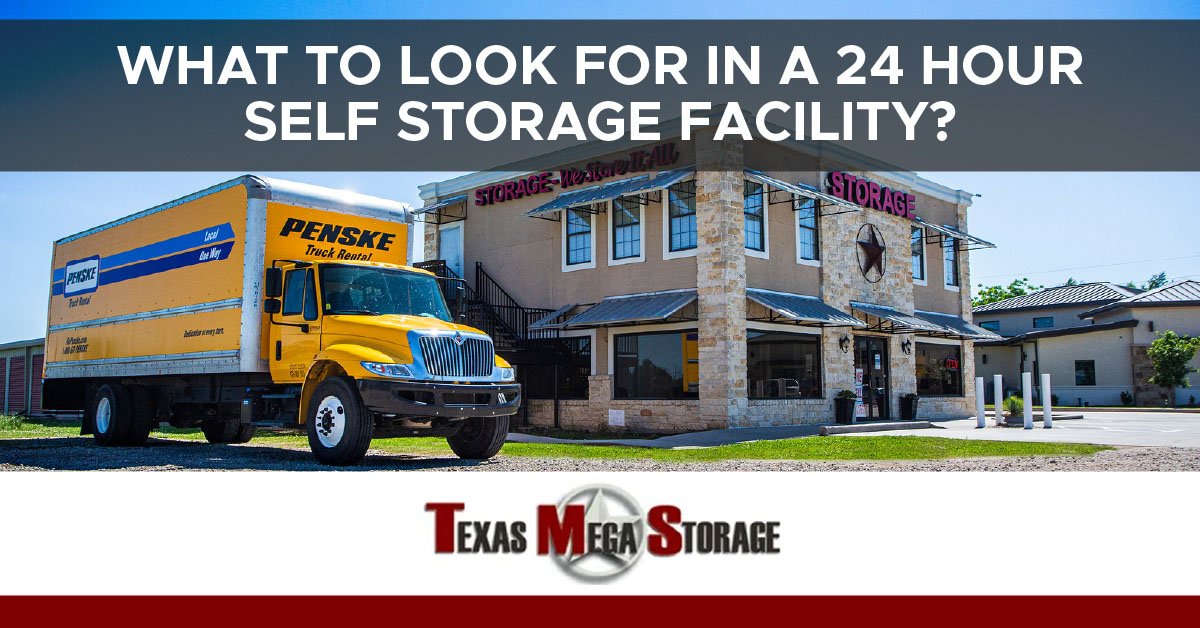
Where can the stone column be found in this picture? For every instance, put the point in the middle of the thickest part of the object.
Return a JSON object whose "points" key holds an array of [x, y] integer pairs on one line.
{"points": [[431, 239], [967, 365], [721, 281]]}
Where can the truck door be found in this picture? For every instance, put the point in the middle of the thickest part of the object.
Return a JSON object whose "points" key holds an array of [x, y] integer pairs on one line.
{"points": [[296, 341]]}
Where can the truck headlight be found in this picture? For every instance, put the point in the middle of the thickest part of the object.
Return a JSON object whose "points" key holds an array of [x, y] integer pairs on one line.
{"points": [[388, 370], [507, 374]]}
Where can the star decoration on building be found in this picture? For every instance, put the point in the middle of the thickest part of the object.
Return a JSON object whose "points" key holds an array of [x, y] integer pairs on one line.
{"points": [[871, 250]]}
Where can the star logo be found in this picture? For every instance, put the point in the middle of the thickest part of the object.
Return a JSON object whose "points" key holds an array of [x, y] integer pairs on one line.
{"points": [[610, 507], [871, 253]]}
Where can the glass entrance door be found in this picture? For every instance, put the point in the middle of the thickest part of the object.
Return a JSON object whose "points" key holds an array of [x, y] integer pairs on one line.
{"points": [[871, 357]]}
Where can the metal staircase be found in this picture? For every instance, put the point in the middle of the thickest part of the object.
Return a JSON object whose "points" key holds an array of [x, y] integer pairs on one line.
{"points": [[491, 309]]}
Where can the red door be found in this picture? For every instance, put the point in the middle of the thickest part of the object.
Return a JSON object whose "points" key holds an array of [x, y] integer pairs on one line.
{"points": [[16, 385], [35, 390]]}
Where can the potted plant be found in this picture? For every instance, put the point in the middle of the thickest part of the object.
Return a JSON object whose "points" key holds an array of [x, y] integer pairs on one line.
{"points": [[908, 407], [843, 406], [1013, 408]]}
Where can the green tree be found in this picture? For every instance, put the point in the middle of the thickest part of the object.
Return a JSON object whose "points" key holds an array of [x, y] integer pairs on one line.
{"points": [[991, 294], [1171, 354], [1157, 281], [1071, 281]]}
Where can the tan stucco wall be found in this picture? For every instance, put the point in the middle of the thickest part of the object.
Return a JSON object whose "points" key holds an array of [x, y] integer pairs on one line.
{"points": [[1014, 323], [1109, 349]]}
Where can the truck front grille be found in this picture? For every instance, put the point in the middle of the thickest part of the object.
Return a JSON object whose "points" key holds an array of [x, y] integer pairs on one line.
{"points": [[475, 357]]}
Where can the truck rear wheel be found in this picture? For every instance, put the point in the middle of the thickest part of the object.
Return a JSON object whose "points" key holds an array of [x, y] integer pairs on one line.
{"points": [[339, 427], [479, 438], [112, 415], [220, 431]]}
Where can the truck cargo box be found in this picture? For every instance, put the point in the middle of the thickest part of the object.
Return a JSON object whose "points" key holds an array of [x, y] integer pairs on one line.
{"points": [[178, 288]]}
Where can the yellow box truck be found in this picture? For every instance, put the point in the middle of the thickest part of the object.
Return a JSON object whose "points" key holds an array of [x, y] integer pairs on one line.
{"points": [[262, 302]]}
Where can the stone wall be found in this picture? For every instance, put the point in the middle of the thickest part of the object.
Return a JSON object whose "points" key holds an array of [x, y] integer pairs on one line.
{"points": [[721, 281], [653, 416]]}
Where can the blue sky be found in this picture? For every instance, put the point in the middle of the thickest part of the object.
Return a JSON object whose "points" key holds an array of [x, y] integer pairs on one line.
{"points": [[1049, 226]]}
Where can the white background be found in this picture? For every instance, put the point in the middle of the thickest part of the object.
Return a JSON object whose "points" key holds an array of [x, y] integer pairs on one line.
{"points": [[368, 533]]}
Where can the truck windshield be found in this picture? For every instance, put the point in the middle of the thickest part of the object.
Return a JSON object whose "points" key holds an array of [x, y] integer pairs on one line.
{"points": [[376, 291]]}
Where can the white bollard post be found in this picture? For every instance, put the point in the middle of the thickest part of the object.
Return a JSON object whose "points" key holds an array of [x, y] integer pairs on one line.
{"points": [[998, 395], [1047, 420], [980, 420], [1027, 398]]}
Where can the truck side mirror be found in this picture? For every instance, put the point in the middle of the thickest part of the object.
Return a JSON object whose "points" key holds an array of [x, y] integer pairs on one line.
{"points": [[272, 306], [273, 284]]}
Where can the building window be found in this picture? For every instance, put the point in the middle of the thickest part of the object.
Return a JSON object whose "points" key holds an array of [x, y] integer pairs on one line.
{"points": [[626, 228], [950, 261], [663, 365], [1085, 372], [990, 325], [682, 218], [807, 234], [752, 193], [917, 243], [579, 237], [1043, 321], [939, 369], [783, 366]]}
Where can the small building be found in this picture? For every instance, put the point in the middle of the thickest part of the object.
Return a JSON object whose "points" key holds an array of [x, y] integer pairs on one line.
{"points": [[690, 285], [1092, 340], [21, 372]]}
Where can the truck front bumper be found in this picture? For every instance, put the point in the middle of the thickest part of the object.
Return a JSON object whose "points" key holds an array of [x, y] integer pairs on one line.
{"points": [[440, 400]]}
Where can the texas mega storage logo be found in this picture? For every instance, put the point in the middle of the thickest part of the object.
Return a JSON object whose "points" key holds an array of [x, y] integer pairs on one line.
{"points": [[598, 532]]}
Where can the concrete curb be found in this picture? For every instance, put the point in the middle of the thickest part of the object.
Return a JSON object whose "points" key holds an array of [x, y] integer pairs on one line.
{"points": [[833, 430], [1037, 418]]}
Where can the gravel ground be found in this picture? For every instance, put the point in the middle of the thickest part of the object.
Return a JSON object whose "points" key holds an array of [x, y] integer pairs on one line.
{"points": [[77, 454]]}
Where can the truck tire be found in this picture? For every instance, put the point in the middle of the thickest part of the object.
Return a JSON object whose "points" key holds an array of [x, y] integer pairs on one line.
{"points": [[143, 413], [219, 431], [339, 427], [479, 438], [112, 414], [245, 432]]}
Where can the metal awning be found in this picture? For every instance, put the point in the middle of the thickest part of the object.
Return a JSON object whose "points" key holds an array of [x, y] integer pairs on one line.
{"points": [[960, 327], [553, 320], [586, 197], [801, 308], [893, 321], [654, 307], [661, 181], [436, 213], [823, 200], [969, 242]]}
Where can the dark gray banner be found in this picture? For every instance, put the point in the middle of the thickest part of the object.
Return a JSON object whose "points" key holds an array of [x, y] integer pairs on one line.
{"points": [[1066, 95]]}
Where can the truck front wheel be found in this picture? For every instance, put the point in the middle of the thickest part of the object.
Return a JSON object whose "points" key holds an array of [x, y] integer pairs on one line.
{"points": [[339, 427], [479, 438]]}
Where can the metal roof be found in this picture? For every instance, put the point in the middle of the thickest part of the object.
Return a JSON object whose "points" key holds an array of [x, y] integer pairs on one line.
{"points": [[800, 189], [20, 344], [1061, 296], [589, 195], [1185, 292], [453, 200], [900, 322], [660, 181], [959, 326], [550, 321], [802, 308], [962, 236], [651, 307]]}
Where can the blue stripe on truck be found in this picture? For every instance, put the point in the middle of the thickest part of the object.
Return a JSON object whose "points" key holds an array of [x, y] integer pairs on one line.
{"points": [[188, 241], [209, 253]]}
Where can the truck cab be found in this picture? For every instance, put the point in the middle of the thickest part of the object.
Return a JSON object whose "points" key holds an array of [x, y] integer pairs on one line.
{"points": [[376, 353]]}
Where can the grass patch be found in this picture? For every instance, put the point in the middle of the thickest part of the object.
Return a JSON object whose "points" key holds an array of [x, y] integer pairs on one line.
{"points": [[811, 448], [817, 448]]}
